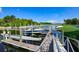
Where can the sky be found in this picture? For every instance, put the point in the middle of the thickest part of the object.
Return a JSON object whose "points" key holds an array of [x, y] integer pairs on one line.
{"points": [[41, 14]]}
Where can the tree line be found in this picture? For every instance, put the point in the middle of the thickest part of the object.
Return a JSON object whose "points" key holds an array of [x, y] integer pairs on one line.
{"points": [[11, 20], [73, 21]]}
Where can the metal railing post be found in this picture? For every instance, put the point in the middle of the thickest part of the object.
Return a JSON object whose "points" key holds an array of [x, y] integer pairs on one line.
{"points": [[32, 29], [4, 34], [67, 46], [8, 33], [62, 37], [20, 33]]}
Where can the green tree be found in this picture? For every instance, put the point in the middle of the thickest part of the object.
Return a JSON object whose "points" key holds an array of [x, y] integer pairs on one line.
{"points": [[9, 18], [72, 21]]}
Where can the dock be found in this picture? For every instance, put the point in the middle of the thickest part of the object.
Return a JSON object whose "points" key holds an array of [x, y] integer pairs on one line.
{"points": [[49, 43], [21, 44]]}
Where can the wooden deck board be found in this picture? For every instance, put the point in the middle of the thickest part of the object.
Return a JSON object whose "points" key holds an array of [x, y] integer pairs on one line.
{"points": [[21, 44]]}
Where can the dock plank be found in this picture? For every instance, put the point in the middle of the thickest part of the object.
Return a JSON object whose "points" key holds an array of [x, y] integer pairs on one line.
{"points": [[21, 44]]}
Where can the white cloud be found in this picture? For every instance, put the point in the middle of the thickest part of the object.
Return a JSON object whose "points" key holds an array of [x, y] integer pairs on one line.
{"points": [[56, 21], [55, 17], [0, 9]]}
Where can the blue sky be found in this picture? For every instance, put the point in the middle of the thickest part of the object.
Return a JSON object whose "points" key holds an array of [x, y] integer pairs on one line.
{"points": [[41, 14]]}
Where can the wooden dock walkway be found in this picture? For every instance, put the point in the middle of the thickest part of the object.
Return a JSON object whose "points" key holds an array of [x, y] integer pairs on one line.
{"points": [[49, 42], [30, 47]]}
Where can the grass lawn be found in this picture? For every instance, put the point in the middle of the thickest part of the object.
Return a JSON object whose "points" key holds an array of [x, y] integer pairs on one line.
{"points": [[69, 28], [71, 31]]}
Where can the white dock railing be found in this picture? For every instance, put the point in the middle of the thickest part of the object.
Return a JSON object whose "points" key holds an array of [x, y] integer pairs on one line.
{"points": [[44, 47], [58, 47], [68, 44]]}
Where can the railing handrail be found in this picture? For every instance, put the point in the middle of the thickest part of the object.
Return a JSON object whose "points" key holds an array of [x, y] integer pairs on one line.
{"points": [[59, 46], [70, 44], [44, 41]]}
